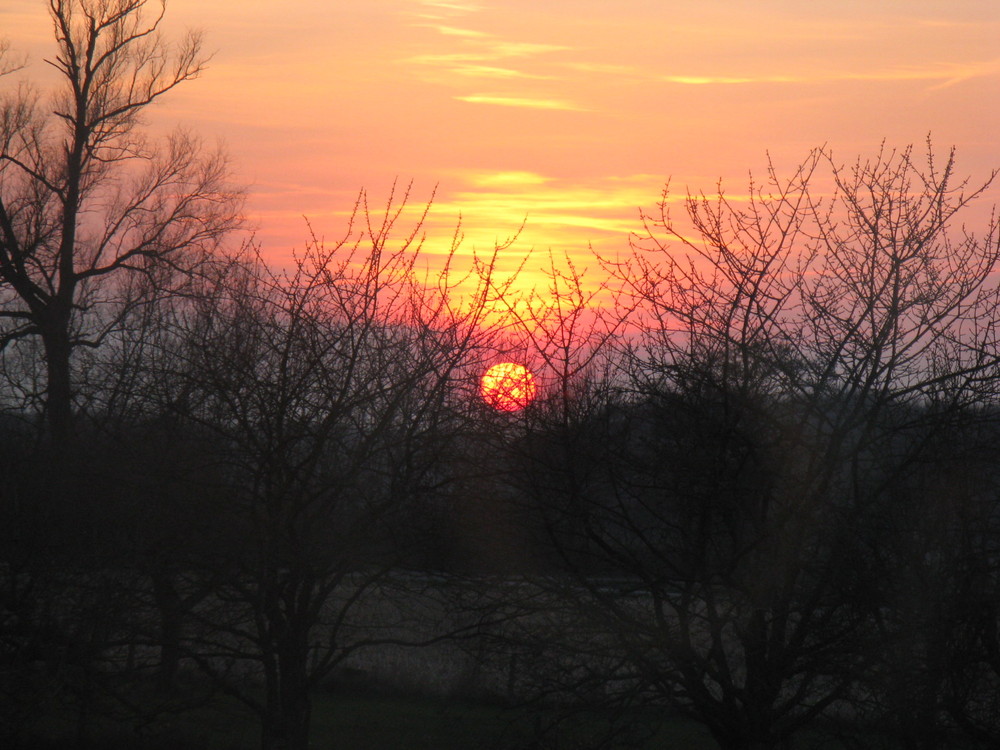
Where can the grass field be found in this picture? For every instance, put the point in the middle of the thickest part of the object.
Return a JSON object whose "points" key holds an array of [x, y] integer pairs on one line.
{"points": [[381, 723]]}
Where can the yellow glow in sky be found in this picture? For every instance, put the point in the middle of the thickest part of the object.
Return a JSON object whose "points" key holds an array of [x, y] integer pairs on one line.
{"points": [[566, 116]]}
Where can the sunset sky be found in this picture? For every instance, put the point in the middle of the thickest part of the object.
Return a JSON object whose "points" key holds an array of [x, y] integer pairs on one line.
{"points": [[570, 115]]}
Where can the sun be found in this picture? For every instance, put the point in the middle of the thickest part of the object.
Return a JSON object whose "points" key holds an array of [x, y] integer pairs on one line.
{"points": [[508, 386]]}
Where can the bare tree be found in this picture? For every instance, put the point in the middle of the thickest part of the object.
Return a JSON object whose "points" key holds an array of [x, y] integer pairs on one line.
{"points": [[791, 349], [325, 396], [7, 64], [84, 198], [927, 558]]}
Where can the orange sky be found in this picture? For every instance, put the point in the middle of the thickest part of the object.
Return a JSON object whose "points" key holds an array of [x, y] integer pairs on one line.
{"points": [[572, 114]]}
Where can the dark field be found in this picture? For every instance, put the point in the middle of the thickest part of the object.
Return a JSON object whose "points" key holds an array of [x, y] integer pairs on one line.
{"points": [[385, 723], [413, 723]]}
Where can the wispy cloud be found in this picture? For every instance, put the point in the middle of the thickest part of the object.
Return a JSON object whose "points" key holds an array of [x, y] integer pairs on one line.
{"points": [[547, 213], [486, 51], [488, 71], [455, 31], [944, 74], [477, 54], [450, 58], [525, 49], [608, 68], [505, 198], [455, 5], [706, 80], [508, 179], [520, 101]]}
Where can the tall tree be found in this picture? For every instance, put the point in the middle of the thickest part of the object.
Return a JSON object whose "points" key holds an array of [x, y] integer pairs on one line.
{"points": [[85, 198], [326, 396], [792, 353]]}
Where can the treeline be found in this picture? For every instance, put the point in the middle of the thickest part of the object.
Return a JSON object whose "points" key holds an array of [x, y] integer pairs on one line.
{"points": [[793, 487], [758, 487]]}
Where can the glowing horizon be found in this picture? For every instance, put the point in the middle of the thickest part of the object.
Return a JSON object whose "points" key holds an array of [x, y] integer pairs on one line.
{"points": [[566, 118]]}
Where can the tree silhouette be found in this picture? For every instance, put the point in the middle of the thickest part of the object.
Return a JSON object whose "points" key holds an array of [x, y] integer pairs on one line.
{"points": [[791, 352], [326, 395], [84, 198]]}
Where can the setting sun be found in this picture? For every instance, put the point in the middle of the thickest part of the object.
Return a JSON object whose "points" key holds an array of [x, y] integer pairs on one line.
{"points": [[508, 386]]}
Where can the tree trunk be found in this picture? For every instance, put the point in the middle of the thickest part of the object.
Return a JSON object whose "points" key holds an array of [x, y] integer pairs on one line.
{"points": [[732, 741], [289, 705], [286, 724], [59, 388], [168, 603]]}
